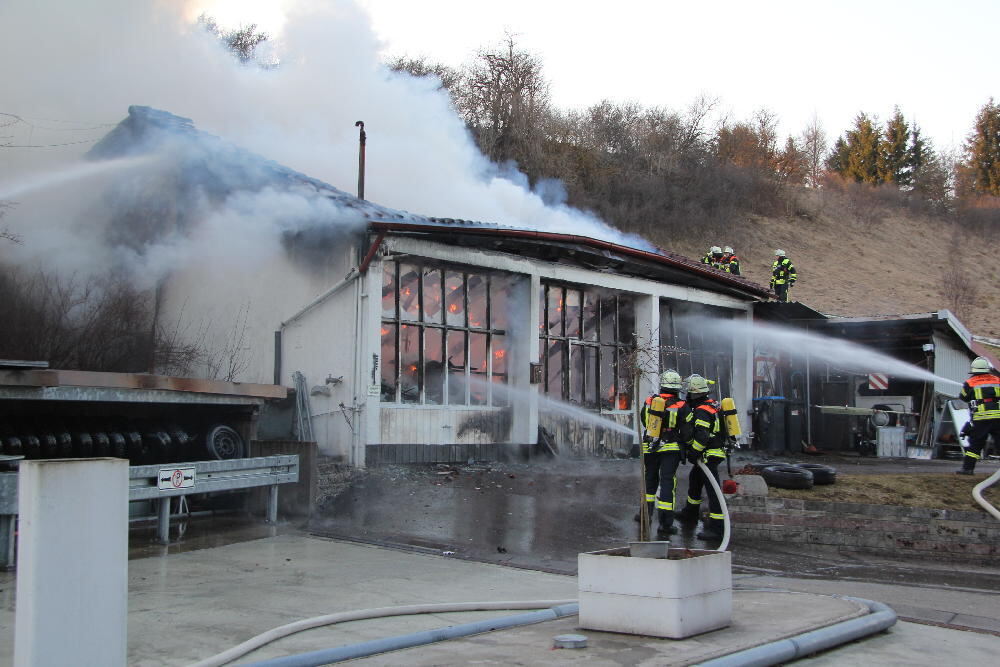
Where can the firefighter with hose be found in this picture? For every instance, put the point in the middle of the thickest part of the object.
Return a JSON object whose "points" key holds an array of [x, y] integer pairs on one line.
{"points": [[982, 392], [664, 416], [707, 441]]}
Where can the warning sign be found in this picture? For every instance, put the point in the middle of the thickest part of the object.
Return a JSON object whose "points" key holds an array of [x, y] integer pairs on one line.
{"points": [[171, 479], [878, 381]]}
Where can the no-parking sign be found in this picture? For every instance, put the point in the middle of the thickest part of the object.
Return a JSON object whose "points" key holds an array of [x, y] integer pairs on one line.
{"points": [[171, 479]]}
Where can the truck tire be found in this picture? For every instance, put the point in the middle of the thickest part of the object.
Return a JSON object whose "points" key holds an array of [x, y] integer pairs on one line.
{"points": [[787, 477], [223, 443], [821, 474]]}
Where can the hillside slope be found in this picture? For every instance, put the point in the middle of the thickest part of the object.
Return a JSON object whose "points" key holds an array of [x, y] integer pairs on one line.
{"points": [[894, 265]]}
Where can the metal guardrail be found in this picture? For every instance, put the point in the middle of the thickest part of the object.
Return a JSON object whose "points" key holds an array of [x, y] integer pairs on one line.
{"points": [[161, 482]]}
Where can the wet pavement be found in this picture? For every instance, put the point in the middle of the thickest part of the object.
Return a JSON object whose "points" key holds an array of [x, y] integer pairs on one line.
{"points": [[541, 515], [438, 533]]}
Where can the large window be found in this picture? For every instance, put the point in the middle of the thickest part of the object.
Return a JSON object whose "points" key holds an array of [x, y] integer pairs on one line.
{"points": [[584, 338], [693, 339], [444, 335]]}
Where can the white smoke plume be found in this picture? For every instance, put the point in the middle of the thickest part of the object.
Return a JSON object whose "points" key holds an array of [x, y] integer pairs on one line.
{"points": [[71, 70]]}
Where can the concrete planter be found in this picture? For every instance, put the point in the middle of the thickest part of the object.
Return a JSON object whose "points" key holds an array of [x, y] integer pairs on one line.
{"points": [[688, 593]]}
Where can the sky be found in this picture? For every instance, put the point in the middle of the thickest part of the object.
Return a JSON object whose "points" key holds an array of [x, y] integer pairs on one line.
{"points": [[828, 59]]}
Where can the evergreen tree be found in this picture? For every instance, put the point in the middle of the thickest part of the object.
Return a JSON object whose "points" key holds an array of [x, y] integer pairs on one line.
{"points": [[863, 150], [920, 151], [982, 152], [837, 162], [894, 156]]}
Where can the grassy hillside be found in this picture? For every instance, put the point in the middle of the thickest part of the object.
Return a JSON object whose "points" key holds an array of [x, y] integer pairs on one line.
{"points": [[891, 262]]}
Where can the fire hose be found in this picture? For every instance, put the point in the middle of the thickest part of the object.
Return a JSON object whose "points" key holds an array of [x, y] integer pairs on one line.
{"points": [[977, 493], [727, 523]]}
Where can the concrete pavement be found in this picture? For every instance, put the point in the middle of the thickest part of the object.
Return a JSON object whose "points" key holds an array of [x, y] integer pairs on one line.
{"points": [[187, 606]]}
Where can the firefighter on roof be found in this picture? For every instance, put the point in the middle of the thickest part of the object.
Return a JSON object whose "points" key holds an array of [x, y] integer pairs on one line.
{"points": [[982, 392], [730, 261], [706, 441], [783, 275], [713, 257], [664, 416]]}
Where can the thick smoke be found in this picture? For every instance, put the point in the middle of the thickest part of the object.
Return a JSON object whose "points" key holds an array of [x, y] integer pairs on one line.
{"points": [[71, 70]]}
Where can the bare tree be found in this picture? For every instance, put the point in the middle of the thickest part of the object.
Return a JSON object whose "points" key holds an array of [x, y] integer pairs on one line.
{"points": [[695, 120], [420, 67], [243, 42], [230, 359], [504, 101], [814, 147]]}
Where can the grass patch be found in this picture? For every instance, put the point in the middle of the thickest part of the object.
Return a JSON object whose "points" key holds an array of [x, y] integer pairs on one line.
{"points": [[946, 491]]}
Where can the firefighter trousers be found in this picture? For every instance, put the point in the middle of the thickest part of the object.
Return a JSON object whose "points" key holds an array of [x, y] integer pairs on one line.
{"points": [[981, 430], [661, 473], [697, 483]]}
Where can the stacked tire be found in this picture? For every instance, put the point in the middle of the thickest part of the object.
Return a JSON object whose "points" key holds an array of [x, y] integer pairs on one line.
{"points": [[798, 476]]}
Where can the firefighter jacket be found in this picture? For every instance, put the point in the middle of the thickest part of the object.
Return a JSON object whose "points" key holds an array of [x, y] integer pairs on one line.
{"points": [[715, 261], [982, 393], [733, 264], [783, 272], [706, 435], [673, 428]]}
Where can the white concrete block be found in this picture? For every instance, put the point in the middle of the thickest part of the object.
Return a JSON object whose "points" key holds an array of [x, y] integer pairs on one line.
{"points": [[674, 618], [750, 485], [659, 597], [72, 563]]}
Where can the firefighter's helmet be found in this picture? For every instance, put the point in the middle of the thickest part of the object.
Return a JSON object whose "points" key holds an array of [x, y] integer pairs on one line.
{"points": [[980, 365], [716, 250], [671, 380], [779, 253], [728, 250], [697, 385]]}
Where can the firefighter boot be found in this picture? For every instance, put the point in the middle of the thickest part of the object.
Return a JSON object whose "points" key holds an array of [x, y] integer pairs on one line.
{"points": [[689, 514], [667, 527], [968, 467], [712, 531]]}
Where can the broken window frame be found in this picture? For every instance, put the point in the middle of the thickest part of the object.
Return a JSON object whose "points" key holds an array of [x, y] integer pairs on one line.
{"points": [[447, 324], [688, 350], [598, 354]]}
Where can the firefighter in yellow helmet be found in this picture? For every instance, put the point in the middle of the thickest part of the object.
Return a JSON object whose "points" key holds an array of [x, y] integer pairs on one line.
{"points": [[713, 257], [731, 262], [783, 275], [982, 392], [664, 417], [706, 441]]}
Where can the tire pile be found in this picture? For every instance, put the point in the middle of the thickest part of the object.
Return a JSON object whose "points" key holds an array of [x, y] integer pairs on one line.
{"points": [[798, 475]]}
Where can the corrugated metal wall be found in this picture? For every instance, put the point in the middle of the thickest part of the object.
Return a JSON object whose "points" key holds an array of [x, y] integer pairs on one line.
{"points": [[950, 361]]}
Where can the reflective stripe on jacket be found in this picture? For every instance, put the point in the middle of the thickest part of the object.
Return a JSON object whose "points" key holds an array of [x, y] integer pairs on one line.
{"points": [[982, 392], [673, 417], [782, 271], [706, 435]]}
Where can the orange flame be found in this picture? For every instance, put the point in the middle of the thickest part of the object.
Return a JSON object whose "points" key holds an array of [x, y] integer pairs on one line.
{"points": [[499, 354], [384, 331]]}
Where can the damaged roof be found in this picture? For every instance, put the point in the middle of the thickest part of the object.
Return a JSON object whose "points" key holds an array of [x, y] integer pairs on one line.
{"points": [[214, 160]]}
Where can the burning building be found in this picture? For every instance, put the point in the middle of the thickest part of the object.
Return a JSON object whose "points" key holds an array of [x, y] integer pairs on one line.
{"points": [[407, 337]]}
